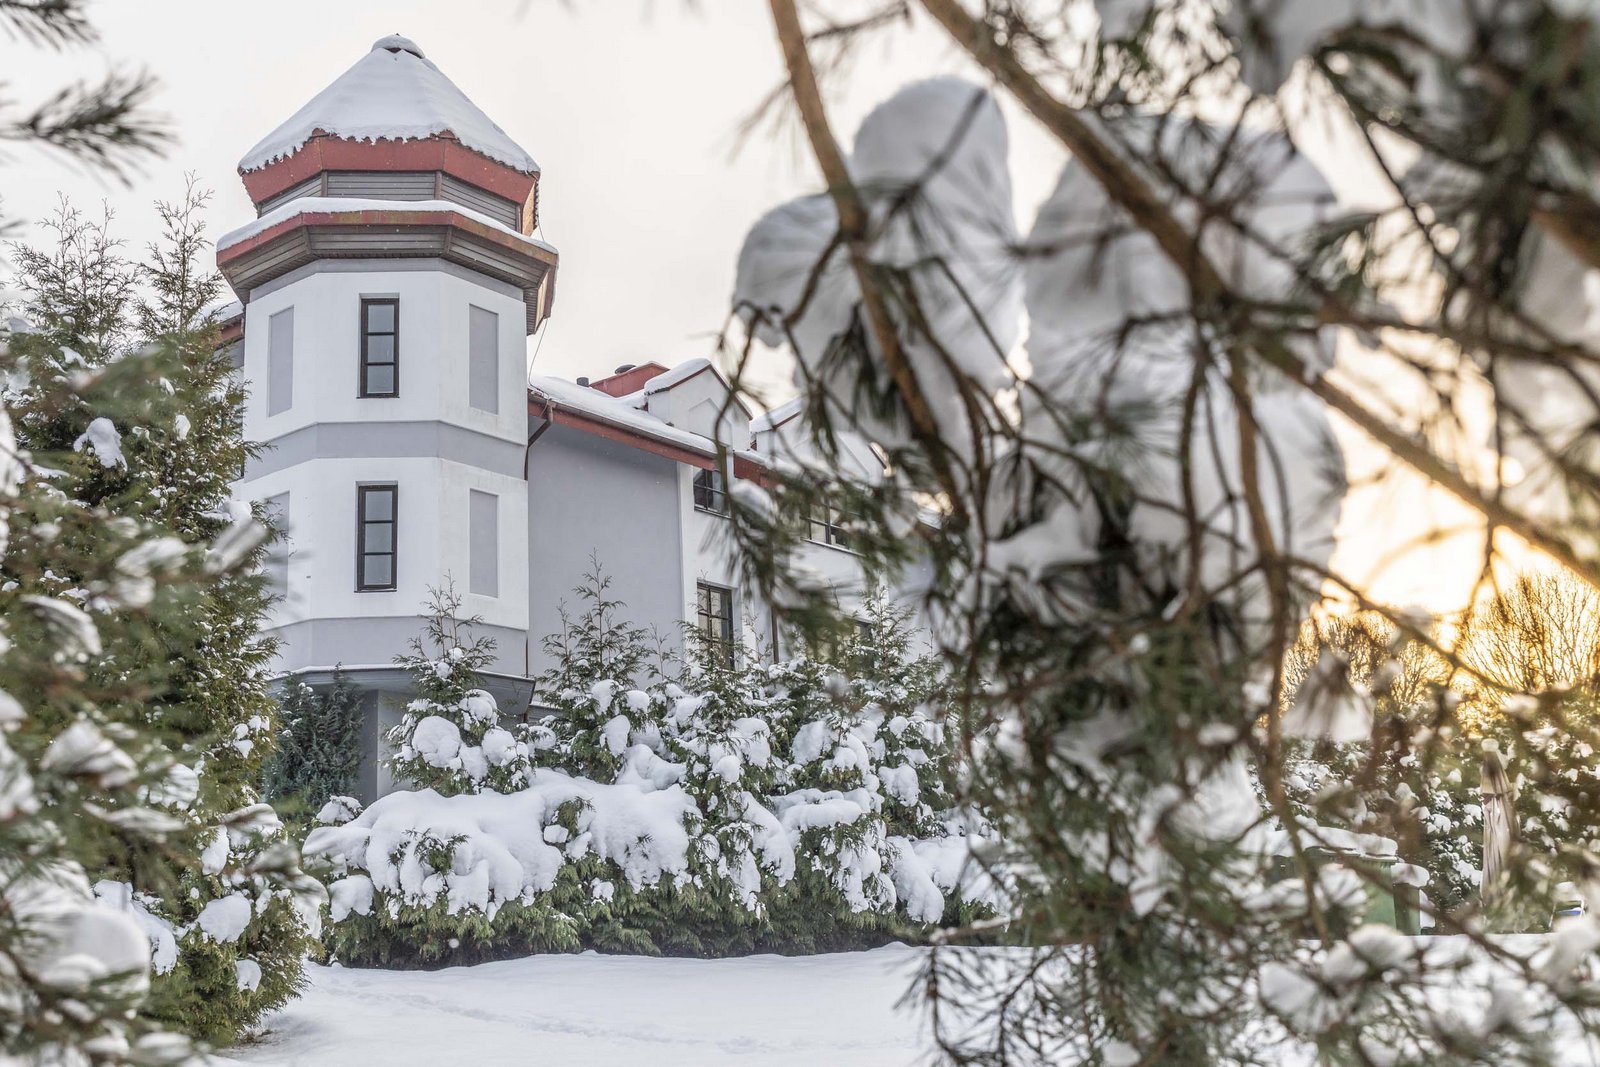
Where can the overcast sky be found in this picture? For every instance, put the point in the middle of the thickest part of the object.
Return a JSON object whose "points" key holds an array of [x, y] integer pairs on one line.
{"points": [[632, 108]]}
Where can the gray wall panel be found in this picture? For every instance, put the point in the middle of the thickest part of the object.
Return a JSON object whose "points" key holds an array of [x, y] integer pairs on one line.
{"points": [[588, 497], [280, 361], [483, 360], [483, 532], [377, 440]]}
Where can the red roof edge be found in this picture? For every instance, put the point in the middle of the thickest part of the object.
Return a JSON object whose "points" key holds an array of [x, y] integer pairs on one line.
{"points": [[745, 468]]}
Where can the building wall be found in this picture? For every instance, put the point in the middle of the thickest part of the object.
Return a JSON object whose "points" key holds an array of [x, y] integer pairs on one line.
{"points": [[430, 441], [588, 496], [435, 303]]}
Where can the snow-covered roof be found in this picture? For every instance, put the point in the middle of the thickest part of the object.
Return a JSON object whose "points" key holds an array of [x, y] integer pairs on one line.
{"points": [[769, 420], [393, 93], [625, 412], [318, 205], [672, 376]]}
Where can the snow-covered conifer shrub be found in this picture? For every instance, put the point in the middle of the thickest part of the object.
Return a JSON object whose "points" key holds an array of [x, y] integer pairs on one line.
{"points": [[597, 663], [734, 808], [125, 393], [450, 737], [144, 887]]}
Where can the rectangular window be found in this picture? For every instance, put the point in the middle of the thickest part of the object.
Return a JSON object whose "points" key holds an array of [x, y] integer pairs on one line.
{"points": [[376, 516], [483, 537], [828, 527], [483, 360], [280, 361], [715, 612], [380, 346], [710, 493]]}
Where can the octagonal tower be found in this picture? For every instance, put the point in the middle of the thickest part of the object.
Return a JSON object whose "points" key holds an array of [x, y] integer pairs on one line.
{"points": [[389, 284]]}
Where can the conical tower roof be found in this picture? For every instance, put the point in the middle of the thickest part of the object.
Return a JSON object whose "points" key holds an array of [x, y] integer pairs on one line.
{"points": [[393, 93]]}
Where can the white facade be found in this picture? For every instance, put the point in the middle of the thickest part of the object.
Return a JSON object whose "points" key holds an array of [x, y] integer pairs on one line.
{"points": [[388, 287], [430, 442]]}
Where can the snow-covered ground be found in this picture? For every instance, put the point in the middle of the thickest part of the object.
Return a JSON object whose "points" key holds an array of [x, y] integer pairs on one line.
{"points": [[760, 1011], [840, 1010]]}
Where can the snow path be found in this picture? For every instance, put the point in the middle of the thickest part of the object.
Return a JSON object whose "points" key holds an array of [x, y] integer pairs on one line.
{"points": [[771, 1011]]}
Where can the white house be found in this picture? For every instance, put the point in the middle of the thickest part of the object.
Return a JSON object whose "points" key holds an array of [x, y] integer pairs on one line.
{"points": [[388, 288]]}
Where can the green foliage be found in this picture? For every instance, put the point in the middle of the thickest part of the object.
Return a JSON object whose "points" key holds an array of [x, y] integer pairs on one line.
{"points": [[318, 755], [597, 658], [161, 457], [450, 738], [853, 759]]}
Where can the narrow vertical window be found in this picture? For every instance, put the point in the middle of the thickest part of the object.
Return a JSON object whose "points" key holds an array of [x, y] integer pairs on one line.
{"points": [[483, 543], [483, 360], [375, 536], [710, 493], [715, 611], [380, 346], [280, 361]]}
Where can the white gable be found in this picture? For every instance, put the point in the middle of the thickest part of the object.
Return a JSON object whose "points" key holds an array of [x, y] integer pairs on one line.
{"points": [[690, 397]]}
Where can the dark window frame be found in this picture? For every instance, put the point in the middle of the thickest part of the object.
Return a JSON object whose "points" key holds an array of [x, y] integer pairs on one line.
{"points": [[708, 595], [363, 490], [366, 334], [714, 492], [826, 526]]}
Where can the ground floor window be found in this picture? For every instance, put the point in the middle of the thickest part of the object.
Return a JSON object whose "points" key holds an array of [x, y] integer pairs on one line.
{"points": [[714, 609]]}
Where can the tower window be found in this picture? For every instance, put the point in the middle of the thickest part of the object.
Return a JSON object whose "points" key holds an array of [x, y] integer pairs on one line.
{"points": [[380, 346], [376, 516], [710, 492], [715, 611]]}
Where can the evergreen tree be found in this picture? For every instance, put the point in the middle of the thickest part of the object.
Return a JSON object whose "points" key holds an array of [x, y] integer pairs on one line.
{"points": [[318, 754], [450, 738], [169, 465], [597, 660], [106, 125], [720, 733], [104, 615]]}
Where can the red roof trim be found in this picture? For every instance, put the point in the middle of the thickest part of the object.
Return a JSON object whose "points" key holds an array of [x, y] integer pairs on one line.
{"points": [[744, 468], [397, 216], [439, 152]]}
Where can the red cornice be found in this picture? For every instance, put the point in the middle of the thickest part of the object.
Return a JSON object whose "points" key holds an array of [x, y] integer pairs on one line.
{"points": [[442, 152], [396, 216]]}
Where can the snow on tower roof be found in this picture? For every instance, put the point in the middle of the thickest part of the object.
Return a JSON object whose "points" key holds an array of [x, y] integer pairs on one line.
{"points": [[392, 93]]}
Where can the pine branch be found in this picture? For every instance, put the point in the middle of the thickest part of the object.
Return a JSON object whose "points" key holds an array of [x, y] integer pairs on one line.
{"points": [[102, 124], [47, 23], [1125, 187], [853, 226]]}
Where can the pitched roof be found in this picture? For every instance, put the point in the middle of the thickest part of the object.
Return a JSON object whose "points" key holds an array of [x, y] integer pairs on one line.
{"points": [[392, 93]]}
